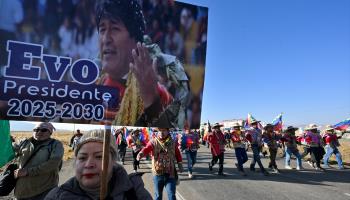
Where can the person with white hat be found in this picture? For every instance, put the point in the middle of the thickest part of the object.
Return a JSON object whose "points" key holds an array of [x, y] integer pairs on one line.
{"points": [[331, 139], [254, 136], [315, 141], [238, 141], [291, 147], [217, 143]]}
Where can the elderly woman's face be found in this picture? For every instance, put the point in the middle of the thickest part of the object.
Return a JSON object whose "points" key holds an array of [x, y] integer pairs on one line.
{"points": [[88, 165]]}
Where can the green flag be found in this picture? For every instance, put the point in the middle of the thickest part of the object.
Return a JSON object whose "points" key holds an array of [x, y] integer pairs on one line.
{"points": [[6, 151]]}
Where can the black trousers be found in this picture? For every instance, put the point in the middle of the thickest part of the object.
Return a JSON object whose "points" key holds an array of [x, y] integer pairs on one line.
{"points": [[136, 162], [219, 158]]}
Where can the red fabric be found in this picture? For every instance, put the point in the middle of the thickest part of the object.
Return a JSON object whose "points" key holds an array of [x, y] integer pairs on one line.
{"points": [[149, 148], [217, 142], [235, 137], [329, 138], [165, 96]]}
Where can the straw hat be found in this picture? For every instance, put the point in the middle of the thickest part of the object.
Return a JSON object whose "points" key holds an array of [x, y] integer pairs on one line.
{"points": [[329, 128], [254, 121], [217, 125], [311, 127]]}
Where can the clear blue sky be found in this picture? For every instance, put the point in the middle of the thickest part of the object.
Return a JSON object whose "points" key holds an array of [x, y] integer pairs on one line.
{"points": [[272, 56]]}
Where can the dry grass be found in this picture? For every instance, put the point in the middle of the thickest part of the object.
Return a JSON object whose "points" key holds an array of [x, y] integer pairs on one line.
{"points": [[64, 137]]}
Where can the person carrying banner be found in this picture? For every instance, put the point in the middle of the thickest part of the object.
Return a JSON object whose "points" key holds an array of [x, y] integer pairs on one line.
{"points": [[88, 166], [189, 142], [217, 143], [41, 157], [331, 139], [134, 142], [291, 147], [165, 153], [238, 139], [122, 144], [254, 136], [315, 141], [143, 75], [270, 138]]}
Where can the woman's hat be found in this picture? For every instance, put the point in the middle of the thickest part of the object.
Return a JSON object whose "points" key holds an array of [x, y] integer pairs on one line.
{"points": [[95, 136], [329, 128], [311, 127]]}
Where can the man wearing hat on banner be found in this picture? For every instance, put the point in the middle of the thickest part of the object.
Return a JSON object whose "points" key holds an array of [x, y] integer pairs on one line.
{"points": [[291, 147], [39, 159], [217, 143], [331, 139], [315, 141], [271, 138], [238, 139], [254, 136]]}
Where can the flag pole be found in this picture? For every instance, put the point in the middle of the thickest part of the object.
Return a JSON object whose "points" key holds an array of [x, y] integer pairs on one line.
{"points": [[105, 161], [105, 157]]}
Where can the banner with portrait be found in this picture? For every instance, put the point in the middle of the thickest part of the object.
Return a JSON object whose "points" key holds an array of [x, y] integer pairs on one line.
{"points": [[117, 62]]}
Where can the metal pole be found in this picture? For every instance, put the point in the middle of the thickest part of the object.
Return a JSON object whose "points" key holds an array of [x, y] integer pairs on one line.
{"points": [[105, 161]]}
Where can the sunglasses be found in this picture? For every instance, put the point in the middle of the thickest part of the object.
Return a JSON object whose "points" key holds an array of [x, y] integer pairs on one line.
{"points": [[40, 129]]}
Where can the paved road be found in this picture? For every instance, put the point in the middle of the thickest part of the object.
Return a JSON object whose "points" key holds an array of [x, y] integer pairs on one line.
{"points": [[289, 184]]}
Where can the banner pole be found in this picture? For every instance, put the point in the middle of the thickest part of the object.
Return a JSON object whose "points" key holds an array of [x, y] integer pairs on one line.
{"points": [[105, 161]]}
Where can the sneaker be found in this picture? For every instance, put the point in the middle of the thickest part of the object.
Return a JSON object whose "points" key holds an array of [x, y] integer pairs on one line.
{"points": [[299, 168], [317, 169], [276, 171], [326, 166], [311, 164], [236, 164], [288, 167], [342, 167], [135, 171], [210, 167], [190, 175]]}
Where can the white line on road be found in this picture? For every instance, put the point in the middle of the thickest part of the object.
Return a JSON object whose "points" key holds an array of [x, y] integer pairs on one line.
{"points": [[179, 196]]}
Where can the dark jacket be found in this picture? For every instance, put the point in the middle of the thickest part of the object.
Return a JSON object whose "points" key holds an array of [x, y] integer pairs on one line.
{"points": [[119, 187]]}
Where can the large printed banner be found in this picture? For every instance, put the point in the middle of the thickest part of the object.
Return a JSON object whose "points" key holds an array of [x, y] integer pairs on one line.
{"points": [[119, 62]]}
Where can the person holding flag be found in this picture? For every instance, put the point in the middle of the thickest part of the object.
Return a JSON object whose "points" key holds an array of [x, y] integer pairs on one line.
{"points": [[254, 136], [331, 139], [190, 144], [135, 143], [217, 143]]}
